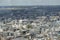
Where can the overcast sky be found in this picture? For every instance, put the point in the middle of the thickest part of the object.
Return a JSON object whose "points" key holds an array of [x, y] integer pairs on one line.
{"points": [[28, 2]]}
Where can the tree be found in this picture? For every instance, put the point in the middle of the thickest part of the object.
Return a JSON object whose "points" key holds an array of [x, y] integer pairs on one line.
{"points": [[29, 26]]}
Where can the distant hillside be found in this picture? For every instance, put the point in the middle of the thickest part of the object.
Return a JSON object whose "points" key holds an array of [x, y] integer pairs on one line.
{"points": [[30, 12]]}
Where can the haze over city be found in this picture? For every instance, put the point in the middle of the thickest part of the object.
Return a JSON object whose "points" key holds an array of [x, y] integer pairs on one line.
{"points": [[28, 2]]}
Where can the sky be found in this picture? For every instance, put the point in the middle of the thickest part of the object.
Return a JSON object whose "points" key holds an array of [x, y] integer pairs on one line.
{"points": [[28, 2]]}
